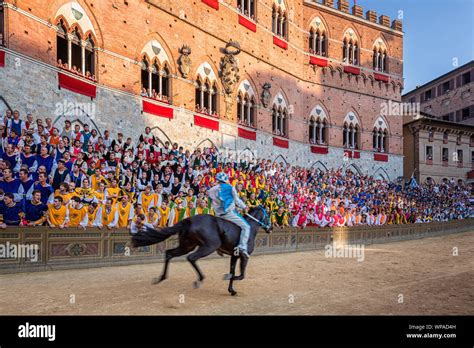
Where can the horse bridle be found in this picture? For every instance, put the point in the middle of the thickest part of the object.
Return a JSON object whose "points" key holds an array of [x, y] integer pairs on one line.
{"points": [[261, 223]]}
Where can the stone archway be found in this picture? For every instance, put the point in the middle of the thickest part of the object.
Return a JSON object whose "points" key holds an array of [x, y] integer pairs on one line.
{"points": [[82, 114], [319, 165], [354, 168], [381, 174], [160, 135], [207, 143], [4, 106], [281, 158], [247, 153]]}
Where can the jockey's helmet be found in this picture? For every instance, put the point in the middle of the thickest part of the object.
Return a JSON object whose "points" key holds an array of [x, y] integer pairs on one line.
{"points": [[222, 177]]}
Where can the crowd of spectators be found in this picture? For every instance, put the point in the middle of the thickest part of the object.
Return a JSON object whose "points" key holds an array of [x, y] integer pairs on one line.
{"points": [[65, 175], [75, 70], [154, 95]]}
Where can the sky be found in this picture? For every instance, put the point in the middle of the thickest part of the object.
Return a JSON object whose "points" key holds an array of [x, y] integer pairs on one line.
{"points": [[438, 34]]}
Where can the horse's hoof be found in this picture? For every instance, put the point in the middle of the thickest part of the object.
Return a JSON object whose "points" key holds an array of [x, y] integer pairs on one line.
{"points": [[228, 276], [157, 280], [240, 277], [197, 284], [233, 293]]}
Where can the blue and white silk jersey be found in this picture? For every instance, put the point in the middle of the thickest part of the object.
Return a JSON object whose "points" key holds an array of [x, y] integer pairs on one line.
{"points": [[224, 199]]}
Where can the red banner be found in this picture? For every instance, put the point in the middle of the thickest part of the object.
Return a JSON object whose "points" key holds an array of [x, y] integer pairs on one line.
{"points": [[206, 123], [318, 61], [247, 23], [322, 150], [212, 3], [280, 43], [352, 70], [75, 85], [2, 59], [381, 77], [157, 110], [380, 157], [280, 142], [352, 154], [247, 134]]}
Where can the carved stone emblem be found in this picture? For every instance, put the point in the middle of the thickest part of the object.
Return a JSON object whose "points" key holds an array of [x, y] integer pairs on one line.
{"points": [[266, 95], [229, 69], [229, 74], [184, 61], [76, 249]]}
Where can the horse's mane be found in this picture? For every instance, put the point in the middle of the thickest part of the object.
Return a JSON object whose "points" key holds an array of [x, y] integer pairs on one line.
{"points": [[255, 209]]}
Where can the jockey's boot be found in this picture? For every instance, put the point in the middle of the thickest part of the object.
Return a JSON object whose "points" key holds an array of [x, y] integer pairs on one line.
{"points": [[244, 253]]}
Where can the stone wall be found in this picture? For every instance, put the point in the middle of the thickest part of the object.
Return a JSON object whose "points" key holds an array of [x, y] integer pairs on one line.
{"points": [[72, 248], [123, 30], [32, 87]]}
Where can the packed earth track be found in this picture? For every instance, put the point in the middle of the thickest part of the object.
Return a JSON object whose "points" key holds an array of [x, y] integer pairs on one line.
{"points": [[423, 276]]}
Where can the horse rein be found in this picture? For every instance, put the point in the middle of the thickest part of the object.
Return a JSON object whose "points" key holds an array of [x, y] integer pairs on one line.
{"points": [[264, 225]]}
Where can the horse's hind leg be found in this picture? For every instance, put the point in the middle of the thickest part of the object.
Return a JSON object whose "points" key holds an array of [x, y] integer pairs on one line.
{"points": [[169, 254], [243, 266], [202, 251], [233, 263]]}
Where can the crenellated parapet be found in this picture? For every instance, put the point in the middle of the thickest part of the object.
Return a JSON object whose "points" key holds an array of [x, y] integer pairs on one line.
{"points": [[358, 11]]}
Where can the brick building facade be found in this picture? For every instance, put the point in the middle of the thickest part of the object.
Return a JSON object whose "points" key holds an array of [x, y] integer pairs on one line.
{"points": [[312, 76], [448, 97], [437, 150]]}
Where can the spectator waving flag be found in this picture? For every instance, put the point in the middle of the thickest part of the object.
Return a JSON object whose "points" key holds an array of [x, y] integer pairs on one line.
{"points": [[413, 184]]}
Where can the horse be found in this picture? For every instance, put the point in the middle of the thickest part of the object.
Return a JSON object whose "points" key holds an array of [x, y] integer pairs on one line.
{"points": [[209, 233]]}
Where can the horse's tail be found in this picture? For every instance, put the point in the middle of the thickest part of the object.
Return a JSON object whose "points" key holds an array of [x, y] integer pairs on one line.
{"points": [[149, 236]]}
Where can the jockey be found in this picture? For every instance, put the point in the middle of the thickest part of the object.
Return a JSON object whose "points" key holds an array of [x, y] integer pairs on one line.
{"points": [[224, 199]]}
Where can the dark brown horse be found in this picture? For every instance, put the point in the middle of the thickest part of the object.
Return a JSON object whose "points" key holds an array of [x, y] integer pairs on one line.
{"points": [[208, 233]]}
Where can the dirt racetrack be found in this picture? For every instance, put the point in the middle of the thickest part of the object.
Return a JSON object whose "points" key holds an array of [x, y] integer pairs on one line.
{"points": [[424, 272]]}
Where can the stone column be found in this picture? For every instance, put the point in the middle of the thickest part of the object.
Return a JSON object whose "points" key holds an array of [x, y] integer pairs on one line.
{"points": [[150, 70], [210, 101], [249, 106], [320, 44], [202, 96], [69, 50], [280, 122], [160, 82], [83, 57]]}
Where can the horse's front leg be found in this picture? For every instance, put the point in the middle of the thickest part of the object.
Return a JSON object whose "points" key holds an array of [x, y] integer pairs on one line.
{"points": [[243, 267], [171, 253], [202, 251], [233, 264]]}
